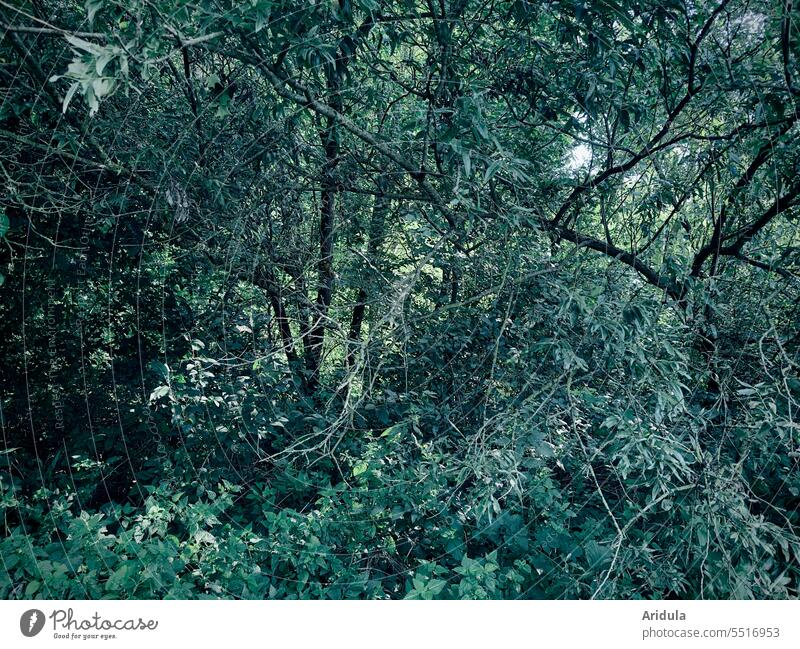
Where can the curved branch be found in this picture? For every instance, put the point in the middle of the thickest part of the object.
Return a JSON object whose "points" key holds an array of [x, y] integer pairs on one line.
{"points": [[629, 259]]}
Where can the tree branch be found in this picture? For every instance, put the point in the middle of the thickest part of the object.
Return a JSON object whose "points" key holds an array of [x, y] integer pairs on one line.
{"points": [[650, 147]]}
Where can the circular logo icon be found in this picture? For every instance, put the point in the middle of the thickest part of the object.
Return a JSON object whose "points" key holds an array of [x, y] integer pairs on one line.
{"points": [[31, 622]]}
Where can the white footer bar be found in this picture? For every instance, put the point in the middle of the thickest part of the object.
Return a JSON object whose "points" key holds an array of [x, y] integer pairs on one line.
{"points": [[406, 625]]}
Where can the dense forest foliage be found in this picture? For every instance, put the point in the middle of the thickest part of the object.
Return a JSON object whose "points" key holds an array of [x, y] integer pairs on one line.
{"points": [[399, 299]]}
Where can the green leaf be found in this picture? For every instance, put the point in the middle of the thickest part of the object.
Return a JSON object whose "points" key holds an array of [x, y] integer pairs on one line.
{"points": [[160, 369], [103, 60], [68, 97], [92, 7], [83, 45], [262, 20], [159, 392], [393, 432]]}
